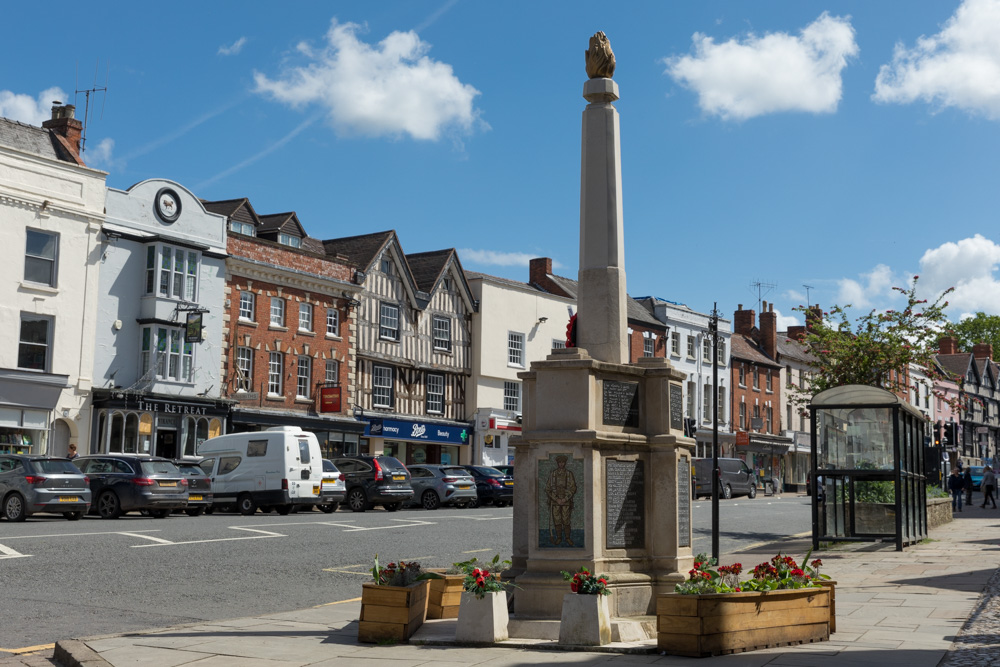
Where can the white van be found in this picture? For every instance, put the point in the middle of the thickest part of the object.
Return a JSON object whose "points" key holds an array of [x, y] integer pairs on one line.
{"points": [[273, 469]]}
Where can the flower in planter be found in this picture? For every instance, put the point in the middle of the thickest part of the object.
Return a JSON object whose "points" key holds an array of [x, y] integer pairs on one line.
{"points": [[400, 574], [485, 579], [585, 583], [780, 573]]}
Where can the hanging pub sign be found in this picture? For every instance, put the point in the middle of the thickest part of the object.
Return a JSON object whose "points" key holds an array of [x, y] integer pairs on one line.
{"points": [[329, 399], [194, 331]]}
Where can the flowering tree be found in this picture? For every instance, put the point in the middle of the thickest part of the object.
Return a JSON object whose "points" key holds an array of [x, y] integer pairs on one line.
{"points": [[878, 348]]}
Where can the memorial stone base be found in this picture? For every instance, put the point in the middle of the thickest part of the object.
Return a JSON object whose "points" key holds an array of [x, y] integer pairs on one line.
{"points": [[603, 481]]}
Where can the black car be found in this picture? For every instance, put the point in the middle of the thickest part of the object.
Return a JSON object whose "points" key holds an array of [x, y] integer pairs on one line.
{"points": [[374, 480], [121, 483], [492, 485], [199, 486], [507, 470]]}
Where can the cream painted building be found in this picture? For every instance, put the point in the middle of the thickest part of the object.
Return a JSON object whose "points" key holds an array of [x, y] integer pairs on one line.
{"points": [[516, 324], [51, 211]]}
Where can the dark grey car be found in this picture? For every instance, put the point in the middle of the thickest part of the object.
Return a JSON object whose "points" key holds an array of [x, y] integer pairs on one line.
{"points": [[436, 485], [123, 483], [374, 480], [30, 484], [199, 486]]}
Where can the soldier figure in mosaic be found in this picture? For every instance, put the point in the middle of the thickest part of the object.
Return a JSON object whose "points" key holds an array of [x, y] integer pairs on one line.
{"points": [[560, 489]]}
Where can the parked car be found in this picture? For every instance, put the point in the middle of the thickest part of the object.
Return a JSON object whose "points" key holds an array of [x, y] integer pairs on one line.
{"points": [[374, 480], [121, 483], [30, 484], [199, 486], [334, 489], [735, 478], [507, 470], [437, 485], [492, 486]]}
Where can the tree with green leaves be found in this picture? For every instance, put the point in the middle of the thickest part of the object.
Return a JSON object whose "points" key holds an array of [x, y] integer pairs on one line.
{"points": [[877, 348], [980, 328]]}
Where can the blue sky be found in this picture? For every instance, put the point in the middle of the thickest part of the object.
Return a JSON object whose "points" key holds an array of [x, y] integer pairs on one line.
{"points": [[842, 145]]}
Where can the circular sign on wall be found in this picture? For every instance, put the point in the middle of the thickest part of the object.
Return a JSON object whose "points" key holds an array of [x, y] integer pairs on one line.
{"points": [[167, 204], [419, 455]]}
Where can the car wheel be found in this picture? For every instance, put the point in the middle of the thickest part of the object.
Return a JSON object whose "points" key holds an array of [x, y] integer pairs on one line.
{"points": [[284, 510], [752, 493], [430, 500], [473, 503], [357, 501], [210, 509], [392, 507], [727, 492], [328, 509], [13, 508], [194, 511], [108, 505], [74, 516], [159, 514], [246, 504]]}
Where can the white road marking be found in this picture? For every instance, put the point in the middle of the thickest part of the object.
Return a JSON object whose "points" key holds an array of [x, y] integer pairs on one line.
{"points": [[110, 532], [7, 552], [266, 534], [147, 537]]}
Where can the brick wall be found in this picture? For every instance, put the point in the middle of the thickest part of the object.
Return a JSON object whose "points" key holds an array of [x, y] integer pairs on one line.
{"points": [[636, 343]]}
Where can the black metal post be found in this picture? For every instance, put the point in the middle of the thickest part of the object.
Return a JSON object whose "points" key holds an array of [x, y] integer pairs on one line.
{"points": [[713, 327]]}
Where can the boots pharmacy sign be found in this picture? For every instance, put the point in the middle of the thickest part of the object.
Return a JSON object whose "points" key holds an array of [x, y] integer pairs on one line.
{"points": [[397, 429]]}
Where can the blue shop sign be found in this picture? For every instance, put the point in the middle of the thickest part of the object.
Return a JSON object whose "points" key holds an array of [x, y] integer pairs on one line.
{"points": [[400, 430]]}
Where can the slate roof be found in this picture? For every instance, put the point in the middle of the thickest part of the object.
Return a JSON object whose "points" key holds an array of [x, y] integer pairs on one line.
{"points": [[36, 140], [472, 275], [361, 250], [281, 222], [427, 267], [793, 349], [955, 364], [634, 311], [238, 209], [742, 347]]}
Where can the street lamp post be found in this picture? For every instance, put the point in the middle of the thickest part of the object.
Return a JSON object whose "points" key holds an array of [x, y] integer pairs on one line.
{"points": [[713, 327]]}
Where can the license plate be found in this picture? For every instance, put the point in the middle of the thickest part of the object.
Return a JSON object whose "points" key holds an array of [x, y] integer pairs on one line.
{"points": [[194, 497], [68, 499], [508, 483], [399, 478], [315, 490], [464, 486], [168, 483]]}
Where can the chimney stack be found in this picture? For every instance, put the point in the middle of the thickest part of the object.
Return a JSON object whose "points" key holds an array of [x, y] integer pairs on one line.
{"points": [[982, 351], [65, 125], [797, 333], [814, 316], [744, 321], [948, 345], [539, 270], [769, 330]]}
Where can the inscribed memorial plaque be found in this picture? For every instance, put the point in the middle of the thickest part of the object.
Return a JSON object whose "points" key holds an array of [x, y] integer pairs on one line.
{"points": [[621, 403], [676, 408], [684, 502], [625, 504]]}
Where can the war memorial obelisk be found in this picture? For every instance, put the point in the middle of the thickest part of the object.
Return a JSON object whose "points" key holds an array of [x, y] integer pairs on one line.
{"points": [[603, 471]]}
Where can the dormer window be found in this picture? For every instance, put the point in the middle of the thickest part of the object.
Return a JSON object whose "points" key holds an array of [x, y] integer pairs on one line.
{"points": [[244, 228], [289, 240]]}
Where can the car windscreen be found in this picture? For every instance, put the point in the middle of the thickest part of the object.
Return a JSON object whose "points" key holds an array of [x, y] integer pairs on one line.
{"points": [[192, 470], [55, 466], [455, 472], [328, 466], [159, 468], [390, 463], [489, 472]]}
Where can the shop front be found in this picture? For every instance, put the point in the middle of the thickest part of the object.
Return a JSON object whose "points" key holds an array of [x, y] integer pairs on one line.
{"points": [[765, 455], [446, 443], [170, 427], [26, 404], [336, 436], [494, 428]]}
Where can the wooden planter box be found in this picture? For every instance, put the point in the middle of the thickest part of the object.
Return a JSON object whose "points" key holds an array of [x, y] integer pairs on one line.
{"points": [[391, 613], [715, 624], [445, 596]]}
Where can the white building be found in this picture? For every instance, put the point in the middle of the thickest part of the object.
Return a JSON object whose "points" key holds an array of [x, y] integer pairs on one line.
{"points": [[516, 324], [690, 351], [51, 209]]}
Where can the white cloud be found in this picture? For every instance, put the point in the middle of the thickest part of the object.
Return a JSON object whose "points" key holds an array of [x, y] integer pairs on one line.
{"points": [[100, 156], [736, 80], [496, 258], [27, 110], [970, 266], [873, 287], [234, 48], [958, 67], [787, 321], [388, 89]]}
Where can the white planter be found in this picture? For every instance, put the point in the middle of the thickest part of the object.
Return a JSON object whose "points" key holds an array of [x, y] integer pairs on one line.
{"points": [[585, 620], [482, 621]]}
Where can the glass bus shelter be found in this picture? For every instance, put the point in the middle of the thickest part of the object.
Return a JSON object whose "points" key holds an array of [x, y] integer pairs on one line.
{"points": [[868, 467]]}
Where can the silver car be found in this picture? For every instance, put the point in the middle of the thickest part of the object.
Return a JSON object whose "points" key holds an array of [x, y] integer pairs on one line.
{"points": [[436, 485], [30, 484]]}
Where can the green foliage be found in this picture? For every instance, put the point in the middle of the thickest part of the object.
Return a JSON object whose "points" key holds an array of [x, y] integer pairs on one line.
{"points": [[877, 349], [585, 583], [486, 579], [980, 328]]}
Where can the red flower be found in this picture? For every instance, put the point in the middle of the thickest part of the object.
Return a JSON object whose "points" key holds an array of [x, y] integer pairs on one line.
{"points": [[574, 587], [602, 580]]}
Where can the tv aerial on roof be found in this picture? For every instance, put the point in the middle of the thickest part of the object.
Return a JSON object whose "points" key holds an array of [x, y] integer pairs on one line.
{"points": [[94, 89]]}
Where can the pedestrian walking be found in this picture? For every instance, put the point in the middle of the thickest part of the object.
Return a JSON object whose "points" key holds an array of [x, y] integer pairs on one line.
{"points": [[956, 485], [989, 485], [968, 484], [72, 452]]}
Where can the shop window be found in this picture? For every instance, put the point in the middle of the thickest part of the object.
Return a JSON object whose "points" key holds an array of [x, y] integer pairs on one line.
{"points": [[131, 436], [34, 347], [40, 257], [117, 429]]}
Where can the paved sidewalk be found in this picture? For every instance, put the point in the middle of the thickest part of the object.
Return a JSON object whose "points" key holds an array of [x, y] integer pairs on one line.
{"points": [[893, 608]]}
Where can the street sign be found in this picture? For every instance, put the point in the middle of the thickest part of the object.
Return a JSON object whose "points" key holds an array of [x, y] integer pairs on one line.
{"points": [[742, 438], [756, 423]]}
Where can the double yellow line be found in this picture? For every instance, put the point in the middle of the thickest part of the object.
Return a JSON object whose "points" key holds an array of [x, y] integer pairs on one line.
{"points": [[27, 649]]}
